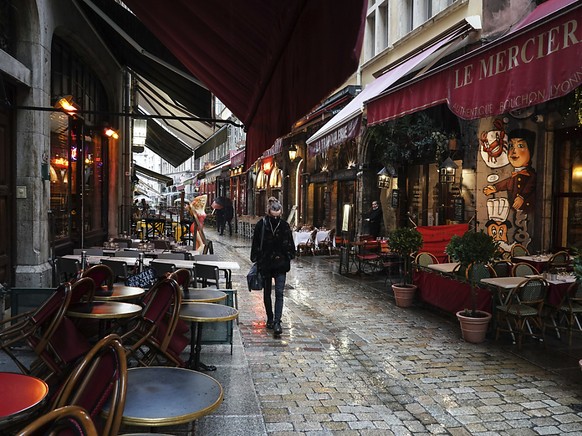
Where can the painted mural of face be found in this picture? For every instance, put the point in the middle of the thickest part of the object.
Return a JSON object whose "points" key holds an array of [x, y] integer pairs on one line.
{"points": [[519, 153], [498, 231]]}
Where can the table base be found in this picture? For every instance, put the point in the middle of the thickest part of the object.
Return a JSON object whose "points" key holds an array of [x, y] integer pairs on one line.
{"points": [[195, 348]]}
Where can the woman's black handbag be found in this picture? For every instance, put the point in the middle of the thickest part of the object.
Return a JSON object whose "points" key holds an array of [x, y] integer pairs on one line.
{"points": [[255, 279]]}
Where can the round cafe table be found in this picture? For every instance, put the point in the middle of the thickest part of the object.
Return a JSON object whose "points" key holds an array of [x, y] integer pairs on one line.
{"points": [[203, 296], [103, 311], [160, 395], [197, 314], [120, 292], [20, 397]]}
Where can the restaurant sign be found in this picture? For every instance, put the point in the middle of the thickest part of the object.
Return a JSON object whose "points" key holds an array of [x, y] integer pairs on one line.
{"points": [[345, 132], [522, 70]]}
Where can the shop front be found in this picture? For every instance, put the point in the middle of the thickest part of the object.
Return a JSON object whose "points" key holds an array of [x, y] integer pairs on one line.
{"points": [[518, 105]]}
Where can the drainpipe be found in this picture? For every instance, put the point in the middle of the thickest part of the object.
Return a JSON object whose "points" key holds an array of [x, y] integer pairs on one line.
{"points": [[126, 163]]}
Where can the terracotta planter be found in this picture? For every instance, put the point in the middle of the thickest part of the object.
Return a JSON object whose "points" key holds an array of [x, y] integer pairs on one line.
{"points": [[474, 329], [404, 294]]}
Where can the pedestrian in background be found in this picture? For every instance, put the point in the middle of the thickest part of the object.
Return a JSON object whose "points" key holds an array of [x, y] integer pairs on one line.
{"points": [[273, 256], [375, 219], [228, 214]]}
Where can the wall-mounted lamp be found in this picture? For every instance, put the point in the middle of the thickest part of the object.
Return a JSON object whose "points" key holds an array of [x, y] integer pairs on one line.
{"points": [[387, 177], [447, 171], [267, 166], [67, 104], [111, 133], [384, 179], [292, 152]]}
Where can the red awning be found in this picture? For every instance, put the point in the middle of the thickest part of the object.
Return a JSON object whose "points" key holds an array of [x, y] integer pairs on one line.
{"points": [[539, 61], [345, 124], [270, 62]]}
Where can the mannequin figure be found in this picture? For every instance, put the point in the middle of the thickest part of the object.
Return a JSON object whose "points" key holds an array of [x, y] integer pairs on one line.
{"points": [[196, 209]]}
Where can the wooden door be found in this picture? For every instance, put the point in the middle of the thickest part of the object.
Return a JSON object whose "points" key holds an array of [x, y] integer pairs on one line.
{"points": [[6, 203]]}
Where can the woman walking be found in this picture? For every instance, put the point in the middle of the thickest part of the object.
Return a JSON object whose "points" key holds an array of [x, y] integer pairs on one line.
{"points": [[273, 249]]}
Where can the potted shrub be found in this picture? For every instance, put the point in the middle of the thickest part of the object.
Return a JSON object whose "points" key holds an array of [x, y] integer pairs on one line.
{"points": [[404, 241], [473, 248]]}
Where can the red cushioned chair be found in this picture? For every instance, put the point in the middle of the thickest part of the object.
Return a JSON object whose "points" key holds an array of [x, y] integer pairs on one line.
{"points": [[54, 338], [68, 420], [152, 337], [98, 383]]}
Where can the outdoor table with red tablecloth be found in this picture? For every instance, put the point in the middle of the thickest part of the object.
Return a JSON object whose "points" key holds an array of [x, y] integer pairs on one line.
{"points": [[448, 293]]}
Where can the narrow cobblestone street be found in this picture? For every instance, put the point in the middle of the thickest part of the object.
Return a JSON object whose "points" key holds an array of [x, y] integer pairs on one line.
{"points": [[351, 362]]}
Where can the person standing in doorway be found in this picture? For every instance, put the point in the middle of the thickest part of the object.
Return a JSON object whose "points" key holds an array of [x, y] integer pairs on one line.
{"points": [[272, 249], [375, 219]]}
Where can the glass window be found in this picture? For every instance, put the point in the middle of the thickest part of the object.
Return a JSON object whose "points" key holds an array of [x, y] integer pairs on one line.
{"points": [[78, 148], [567, 221]]}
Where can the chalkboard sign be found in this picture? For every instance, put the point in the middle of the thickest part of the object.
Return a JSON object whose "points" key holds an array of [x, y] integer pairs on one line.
{"points": [[459, 209], [395, 198]]}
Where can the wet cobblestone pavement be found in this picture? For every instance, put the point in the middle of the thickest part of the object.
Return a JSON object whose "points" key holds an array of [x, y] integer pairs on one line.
{"points": [[350, 362]]}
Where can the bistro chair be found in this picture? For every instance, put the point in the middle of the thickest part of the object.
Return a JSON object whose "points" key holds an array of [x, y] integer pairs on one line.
{"points": [[503, 268], [37, 327], [519, 250], [369, 256], [308, 246], [327, 244], [162, 268], [522, 308], [98, 380], [67, 269], [205, 275], [153, 335], [568, 311], [561, 259], [82, 290], [101, 274], [183, 277], [340, 241], [118, 268], [475, 272], [67, 420], [52, 337], [522, 269], [424, 259]]}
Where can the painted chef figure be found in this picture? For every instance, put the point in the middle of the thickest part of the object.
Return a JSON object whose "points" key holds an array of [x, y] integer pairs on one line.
{"points": [[521, 185]]}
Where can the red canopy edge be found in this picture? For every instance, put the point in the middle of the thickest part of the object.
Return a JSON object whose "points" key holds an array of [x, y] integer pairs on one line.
{"points": [[270, 63], [436, 238], [499, 77]]}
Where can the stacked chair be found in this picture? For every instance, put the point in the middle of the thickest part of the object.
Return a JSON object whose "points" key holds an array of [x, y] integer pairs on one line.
{"points": [[152, 337], [55, 340]]}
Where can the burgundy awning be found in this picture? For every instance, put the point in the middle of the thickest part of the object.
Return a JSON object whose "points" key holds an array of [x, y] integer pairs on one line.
{"points": [[538, 61], [345, 124], [269, 62]]}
